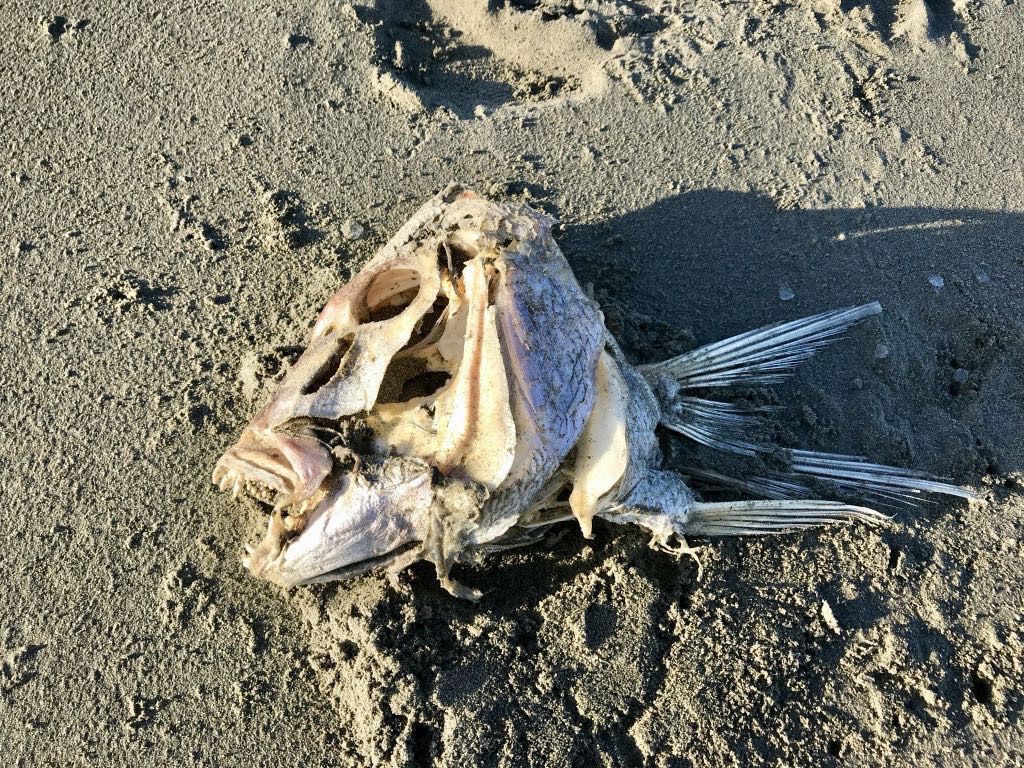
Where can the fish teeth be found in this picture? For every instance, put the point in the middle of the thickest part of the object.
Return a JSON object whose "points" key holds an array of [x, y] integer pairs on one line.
{"points": [[237, 490]]}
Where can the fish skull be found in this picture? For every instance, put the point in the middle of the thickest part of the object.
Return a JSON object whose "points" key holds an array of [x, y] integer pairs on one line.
{"points": [[440, 390]]}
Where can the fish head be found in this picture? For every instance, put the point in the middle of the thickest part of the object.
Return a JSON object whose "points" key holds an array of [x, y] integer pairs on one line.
{"points": [[284, 454], [465, 350]]}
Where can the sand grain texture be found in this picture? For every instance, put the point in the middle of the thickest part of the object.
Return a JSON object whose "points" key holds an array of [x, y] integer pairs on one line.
{"points": [[180, 189]]}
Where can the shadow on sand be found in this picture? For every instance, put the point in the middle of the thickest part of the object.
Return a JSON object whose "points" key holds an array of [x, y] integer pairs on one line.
{"points": [[937, 378]]}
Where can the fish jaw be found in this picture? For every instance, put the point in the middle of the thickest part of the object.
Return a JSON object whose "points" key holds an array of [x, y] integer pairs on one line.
{"points": [[370, 513], [277, 468]]}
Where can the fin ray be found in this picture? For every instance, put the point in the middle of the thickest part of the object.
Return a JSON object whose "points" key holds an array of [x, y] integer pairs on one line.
{"points": [[762, 356], [750, 518], [717, 425], [857, 474]]}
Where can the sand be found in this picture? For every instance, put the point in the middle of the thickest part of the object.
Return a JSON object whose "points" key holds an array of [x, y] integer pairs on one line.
{"points": [[185, 184]]}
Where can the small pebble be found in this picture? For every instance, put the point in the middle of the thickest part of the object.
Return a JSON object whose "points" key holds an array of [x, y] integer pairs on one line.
{"points": [[829, 618], [352, 229], [786, 293], [961, 375], [881, 351], [982, 276], [937, 282]]}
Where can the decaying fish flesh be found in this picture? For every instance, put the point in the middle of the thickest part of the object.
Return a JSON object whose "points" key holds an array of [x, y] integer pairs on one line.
{"points": [[461, 394]]}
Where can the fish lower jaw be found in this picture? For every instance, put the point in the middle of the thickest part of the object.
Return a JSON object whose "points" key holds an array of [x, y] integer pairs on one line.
{"points": [[261, 559], [266, 559]]}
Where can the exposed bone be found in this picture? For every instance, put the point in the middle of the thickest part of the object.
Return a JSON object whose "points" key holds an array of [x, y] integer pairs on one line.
{"points": [[259, 558], [603, 451], [477, 432], [368, 515], [764, 356]]}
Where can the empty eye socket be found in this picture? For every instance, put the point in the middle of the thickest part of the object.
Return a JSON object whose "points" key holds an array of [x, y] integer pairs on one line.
{"points": [[424, 384], [409, 378], [330, 366], [391, 292]]}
